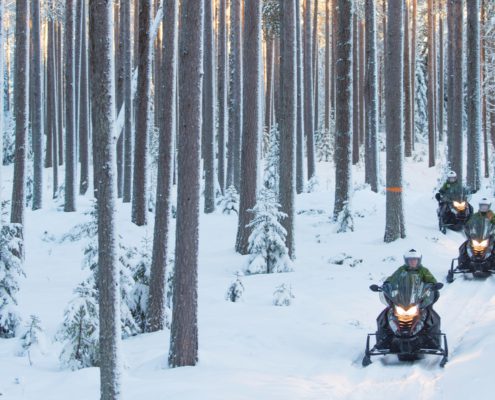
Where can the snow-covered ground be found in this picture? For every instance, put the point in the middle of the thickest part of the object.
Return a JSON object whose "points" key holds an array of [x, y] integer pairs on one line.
{"points": [[253, 349]]}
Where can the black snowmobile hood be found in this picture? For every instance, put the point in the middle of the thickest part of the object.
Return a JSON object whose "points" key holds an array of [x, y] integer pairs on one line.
{"points": [[408, 290]]}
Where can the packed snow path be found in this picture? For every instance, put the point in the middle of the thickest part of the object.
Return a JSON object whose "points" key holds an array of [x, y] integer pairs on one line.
{"points": [[254, 350]]}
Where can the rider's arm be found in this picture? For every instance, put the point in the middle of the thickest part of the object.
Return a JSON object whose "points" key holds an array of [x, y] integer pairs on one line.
{"points": [[427, 276]]}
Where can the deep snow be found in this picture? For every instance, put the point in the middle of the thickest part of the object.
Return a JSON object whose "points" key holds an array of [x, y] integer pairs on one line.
{"points": [[253, 349]]}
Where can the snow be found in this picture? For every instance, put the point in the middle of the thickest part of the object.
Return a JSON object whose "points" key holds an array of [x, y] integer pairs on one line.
{"points": [[252, 349]]}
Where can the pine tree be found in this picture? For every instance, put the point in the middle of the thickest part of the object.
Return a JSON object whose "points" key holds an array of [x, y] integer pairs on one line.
{"points": [[267, 250], [272, 166], [31, 337], [10, 273], [229, 203], [222, 92]]}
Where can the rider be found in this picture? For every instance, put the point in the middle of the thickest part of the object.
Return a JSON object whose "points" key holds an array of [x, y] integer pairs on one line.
{"points": [[451, 186], [412, 265], [483, 212]]}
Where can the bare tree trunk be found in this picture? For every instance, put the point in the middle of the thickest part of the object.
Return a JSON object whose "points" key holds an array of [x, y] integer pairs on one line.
{"points": [[102, 113], [209, 111], [413, 72], [270, 55], [276, 80], [300, 105], [119, 88], [316, 74], [251, 120], [308, 89], [394, 225], [361, 82], [156, 306], [127, 189], [235, 96], [355, 90], [60, 60], [139, 209], [484, 111], [343, 106], [407, 85], [222, 92], [21, 112], [441, 95], [327, 67], [53, 101], [287, 118], [473, 95], [432, 137], [370, 93], [84, 108], [450, 81], [37, 128], [458, 104], [184, 332]]}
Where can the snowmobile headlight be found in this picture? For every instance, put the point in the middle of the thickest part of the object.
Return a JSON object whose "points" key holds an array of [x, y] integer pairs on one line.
{"points": [[411, 312], [479, 246], [460, 205]]}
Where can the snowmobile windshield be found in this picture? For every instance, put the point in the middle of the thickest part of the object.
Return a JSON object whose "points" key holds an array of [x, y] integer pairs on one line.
{"points": [[408, 289], [458, 194], [479, 229]]}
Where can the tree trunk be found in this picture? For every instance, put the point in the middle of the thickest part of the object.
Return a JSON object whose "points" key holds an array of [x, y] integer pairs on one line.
{"points": [[327, 67], [441, 101], [235, 96], [484, 111], [21, 113], [458, 103], [119, 87], [60, 60], [37, 127], [270, 55], [407, 85], [70, 142], [184, 332], [343, 106], [209, 111], [308, 89], [432, 136], [370, 93], [355, 90], [361, 82], [394, 225], [251, 120], [102, 113], [221, 92], [473, 95], [2, 93], [316, 75], [54, 101], [413, 72], [139, 209], [127, 189], [156, 306], [300, 105], [84, 108], [287, 118]]}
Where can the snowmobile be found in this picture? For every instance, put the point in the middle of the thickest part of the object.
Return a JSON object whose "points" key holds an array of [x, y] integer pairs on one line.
{"points": [[454, 211], [476, 254], [408, 326]]}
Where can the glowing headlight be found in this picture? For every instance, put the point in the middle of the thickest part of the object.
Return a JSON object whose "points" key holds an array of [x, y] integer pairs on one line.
{"points": [[479, 246], [411, 312], [461, 206]]}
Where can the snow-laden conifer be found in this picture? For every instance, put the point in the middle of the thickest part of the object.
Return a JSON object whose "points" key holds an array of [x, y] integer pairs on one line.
{"points": [[10, 274], [267, 250], [272, 167], [31, 338], [283, 295], [230, 202], [235, 291], [80, 329]]}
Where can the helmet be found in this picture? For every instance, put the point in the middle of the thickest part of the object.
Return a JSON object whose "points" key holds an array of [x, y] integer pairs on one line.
{"points": [[484, 204], [451, 176], [412, 255]]}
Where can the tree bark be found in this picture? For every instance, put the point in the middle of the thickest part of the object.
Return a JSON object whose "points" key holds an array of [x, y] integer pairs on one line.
{"points": [[139, 194], [355, 90], [407, 85], [413, 72], [119, 88], [441, 100], [209, 111], [308, 90], [432, 135], [343, 106], [60, 60], [127, 189], [251, 120], [287, 118], [184, 332], [156, 306], [21, 113], [270, 55], [394, 225], [370, 100], [316, 75], [84, 107], [222, 92], [300, 105], [102, 113], [328, 46], [473, 95]]}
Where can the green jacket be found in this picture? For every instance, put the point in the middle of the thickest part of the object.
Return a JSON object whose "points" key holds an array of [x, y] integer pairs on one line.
{"points": [[425, 275], [449, 188], [489, 215]]}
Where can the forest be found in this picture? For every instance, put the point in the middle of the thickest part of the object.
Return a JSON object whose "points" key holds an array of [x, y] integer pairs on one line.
{"points": [[196, 195]]}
